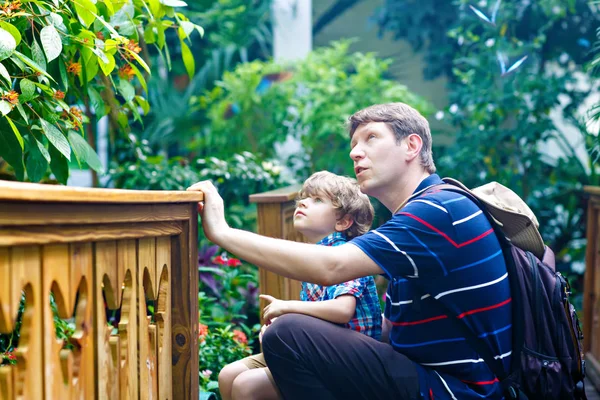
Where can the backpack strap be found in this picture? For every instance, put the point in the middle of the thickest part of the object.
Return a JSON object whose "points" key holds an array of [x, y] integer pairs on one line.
{"points": [[509, 382]]}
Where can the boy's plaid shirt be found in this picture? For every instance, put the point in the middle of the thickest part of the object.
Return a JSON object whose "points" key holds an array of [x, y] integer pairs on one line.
{"points": [[367, 317]]}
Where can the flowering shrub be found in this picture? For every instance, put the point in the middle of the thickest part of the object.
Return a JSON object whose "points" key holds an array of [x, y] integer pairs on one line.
{"points": [[219, 347], [228, 289], [66, 63]]}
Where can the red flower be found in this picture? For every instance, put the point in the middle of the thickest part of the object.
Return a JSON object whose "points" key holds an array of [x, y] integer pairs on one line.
{"points": [[234, 262], [202, 331], [224, 260], [240, 336], [221, 260]]}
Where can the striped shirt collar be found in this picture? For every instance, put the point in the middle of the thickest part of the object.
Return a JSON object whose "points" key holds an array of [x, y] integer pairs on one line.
{"points": [[332, 239], [433, 179]]}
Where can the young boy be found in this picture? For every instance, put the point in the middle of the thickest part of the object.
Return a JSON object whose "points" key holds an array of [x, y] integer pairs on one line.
{"points": [[330, 211]]}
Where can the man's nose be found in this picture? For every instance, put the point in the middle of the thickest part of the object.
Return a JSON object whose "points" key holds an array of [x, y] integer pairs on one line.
{"points": [[357, 153]]}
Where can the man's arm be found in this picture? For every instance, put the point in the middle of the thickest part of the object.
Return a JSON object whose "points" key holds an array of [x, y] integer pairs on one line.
{"points": [[339, 310], [305, 262]]}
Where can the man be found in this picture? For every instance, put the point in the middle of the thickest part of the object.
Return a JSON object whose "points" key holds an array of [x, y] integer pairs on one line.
{"points": [[438, 251]]}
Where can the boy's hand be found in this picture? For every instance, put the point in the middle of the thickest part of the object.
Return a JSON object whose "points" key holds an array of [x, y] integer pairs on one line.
{"points": [[275, 309], [263, 329], [211, 211]]}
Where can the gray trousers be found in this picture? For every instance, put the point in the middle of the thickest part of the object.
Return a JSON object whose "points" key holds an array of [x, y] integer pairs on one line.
{"points": [[317, 360]]}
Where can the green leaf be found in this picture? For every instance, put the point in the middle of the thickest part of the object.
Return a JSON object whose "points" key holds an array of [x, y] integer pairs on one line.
{"points": [[27, 90], [157, 9], [12, 30], [4, 73], [91, 67], [124, 20], [114, 33], [5, 107], [86, 10], [59, 165], [107, 68], [188, 59], [63, 74], [57, 21], [7, 44], [142, 102], [123, 120], [42, 150], [56, 137], [149, 35], [16, 132], [11, 151], [38, 54], [138, 59], [51, 42], [109, 6], [84, 152], [161, 37], [31, 64], [200, 30], [23, 113], [97, 102], [185, 29], [174, 3], [35, 162], [126, 89], [140, 77]]}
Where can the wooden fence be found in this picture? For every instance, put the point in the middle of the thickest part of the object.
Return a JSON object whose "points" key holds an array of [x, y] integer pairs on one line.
{"points": [[276, 219], [591, 299], [100, 253]]}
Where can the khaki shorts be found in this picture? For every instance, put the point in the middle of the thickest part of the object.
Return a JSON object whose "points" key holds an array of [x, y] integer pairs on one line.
{"points": [[258, 361], [255, 361]]}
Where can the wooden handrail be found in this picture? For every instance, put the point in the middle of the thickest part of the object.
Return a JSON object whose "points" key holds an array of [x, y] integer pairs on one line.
{"points": [[93, 250], [18, 191]]}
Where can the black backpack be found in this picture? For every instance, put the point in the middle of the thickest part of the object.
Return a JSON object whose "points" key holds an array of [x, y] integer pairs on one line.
{"points": [[547, 357]]}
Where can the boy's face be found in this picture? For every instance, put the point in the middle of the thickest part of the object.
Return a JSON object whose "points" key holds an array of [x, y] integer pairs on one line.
{"points": [[315, 217]]}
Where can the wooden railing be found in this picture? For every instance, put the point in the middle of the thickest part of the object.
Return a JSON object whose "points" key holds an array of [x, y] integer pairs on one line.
{"points": [[95, 250], [276, 219], [591, 299]]}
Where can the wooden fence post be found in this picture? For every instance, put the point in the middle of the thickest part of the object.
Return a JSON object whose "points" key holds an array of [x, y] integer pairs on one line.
{"points": [[105, 256], [275, 219]]}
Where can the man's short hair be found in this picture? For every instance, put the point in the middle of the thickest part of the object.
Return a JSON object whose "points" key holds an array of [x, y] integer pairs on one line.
{"points": [[346, 197], [403, 120]]}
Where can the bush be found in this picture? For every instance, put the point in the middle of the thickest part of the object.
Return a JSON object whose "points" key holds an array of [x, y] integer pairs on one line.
{"points": [[219, 347], [259, 104], [66, 63]]}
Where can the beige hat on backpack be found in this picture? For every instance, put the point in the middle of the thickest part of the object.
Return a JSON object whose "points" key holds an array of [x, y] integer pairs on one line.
{"points": [[513, 215]]}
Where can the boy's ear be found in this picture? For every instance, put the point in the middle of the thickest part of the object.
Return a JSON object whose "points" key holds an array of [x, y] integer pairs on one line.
{"points": [[344, 223]]}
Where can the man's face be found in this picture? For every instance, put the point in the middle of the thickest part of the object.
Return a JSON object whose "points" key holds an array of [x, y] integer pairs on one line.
{"points": [[378, 160]]}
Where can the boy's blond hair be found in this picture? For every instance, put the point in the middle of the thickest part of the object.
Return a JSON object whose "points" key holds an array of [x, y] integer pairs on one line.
{"points": [[346, 197]]}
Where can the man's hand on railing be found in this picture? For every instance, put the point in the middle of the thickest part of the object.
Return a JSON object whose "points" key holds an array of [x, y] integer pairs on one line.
{"points": [[212, 211]]}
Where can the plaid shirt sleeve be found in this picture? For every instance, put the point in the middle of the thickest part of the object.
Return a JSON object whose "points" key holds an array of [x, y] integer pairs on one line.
{"points": [[353, 287]]}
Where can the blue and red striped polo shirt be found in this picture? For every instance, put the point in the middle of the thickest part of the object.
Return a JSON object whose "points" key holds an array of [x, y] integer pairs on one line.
{"points": [[440, 248]]}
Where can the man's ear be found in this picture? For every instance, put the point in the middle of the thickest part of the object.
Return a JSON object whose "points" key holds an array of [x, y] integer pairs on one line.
{"points": [[344, 223], [414, 144]]}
